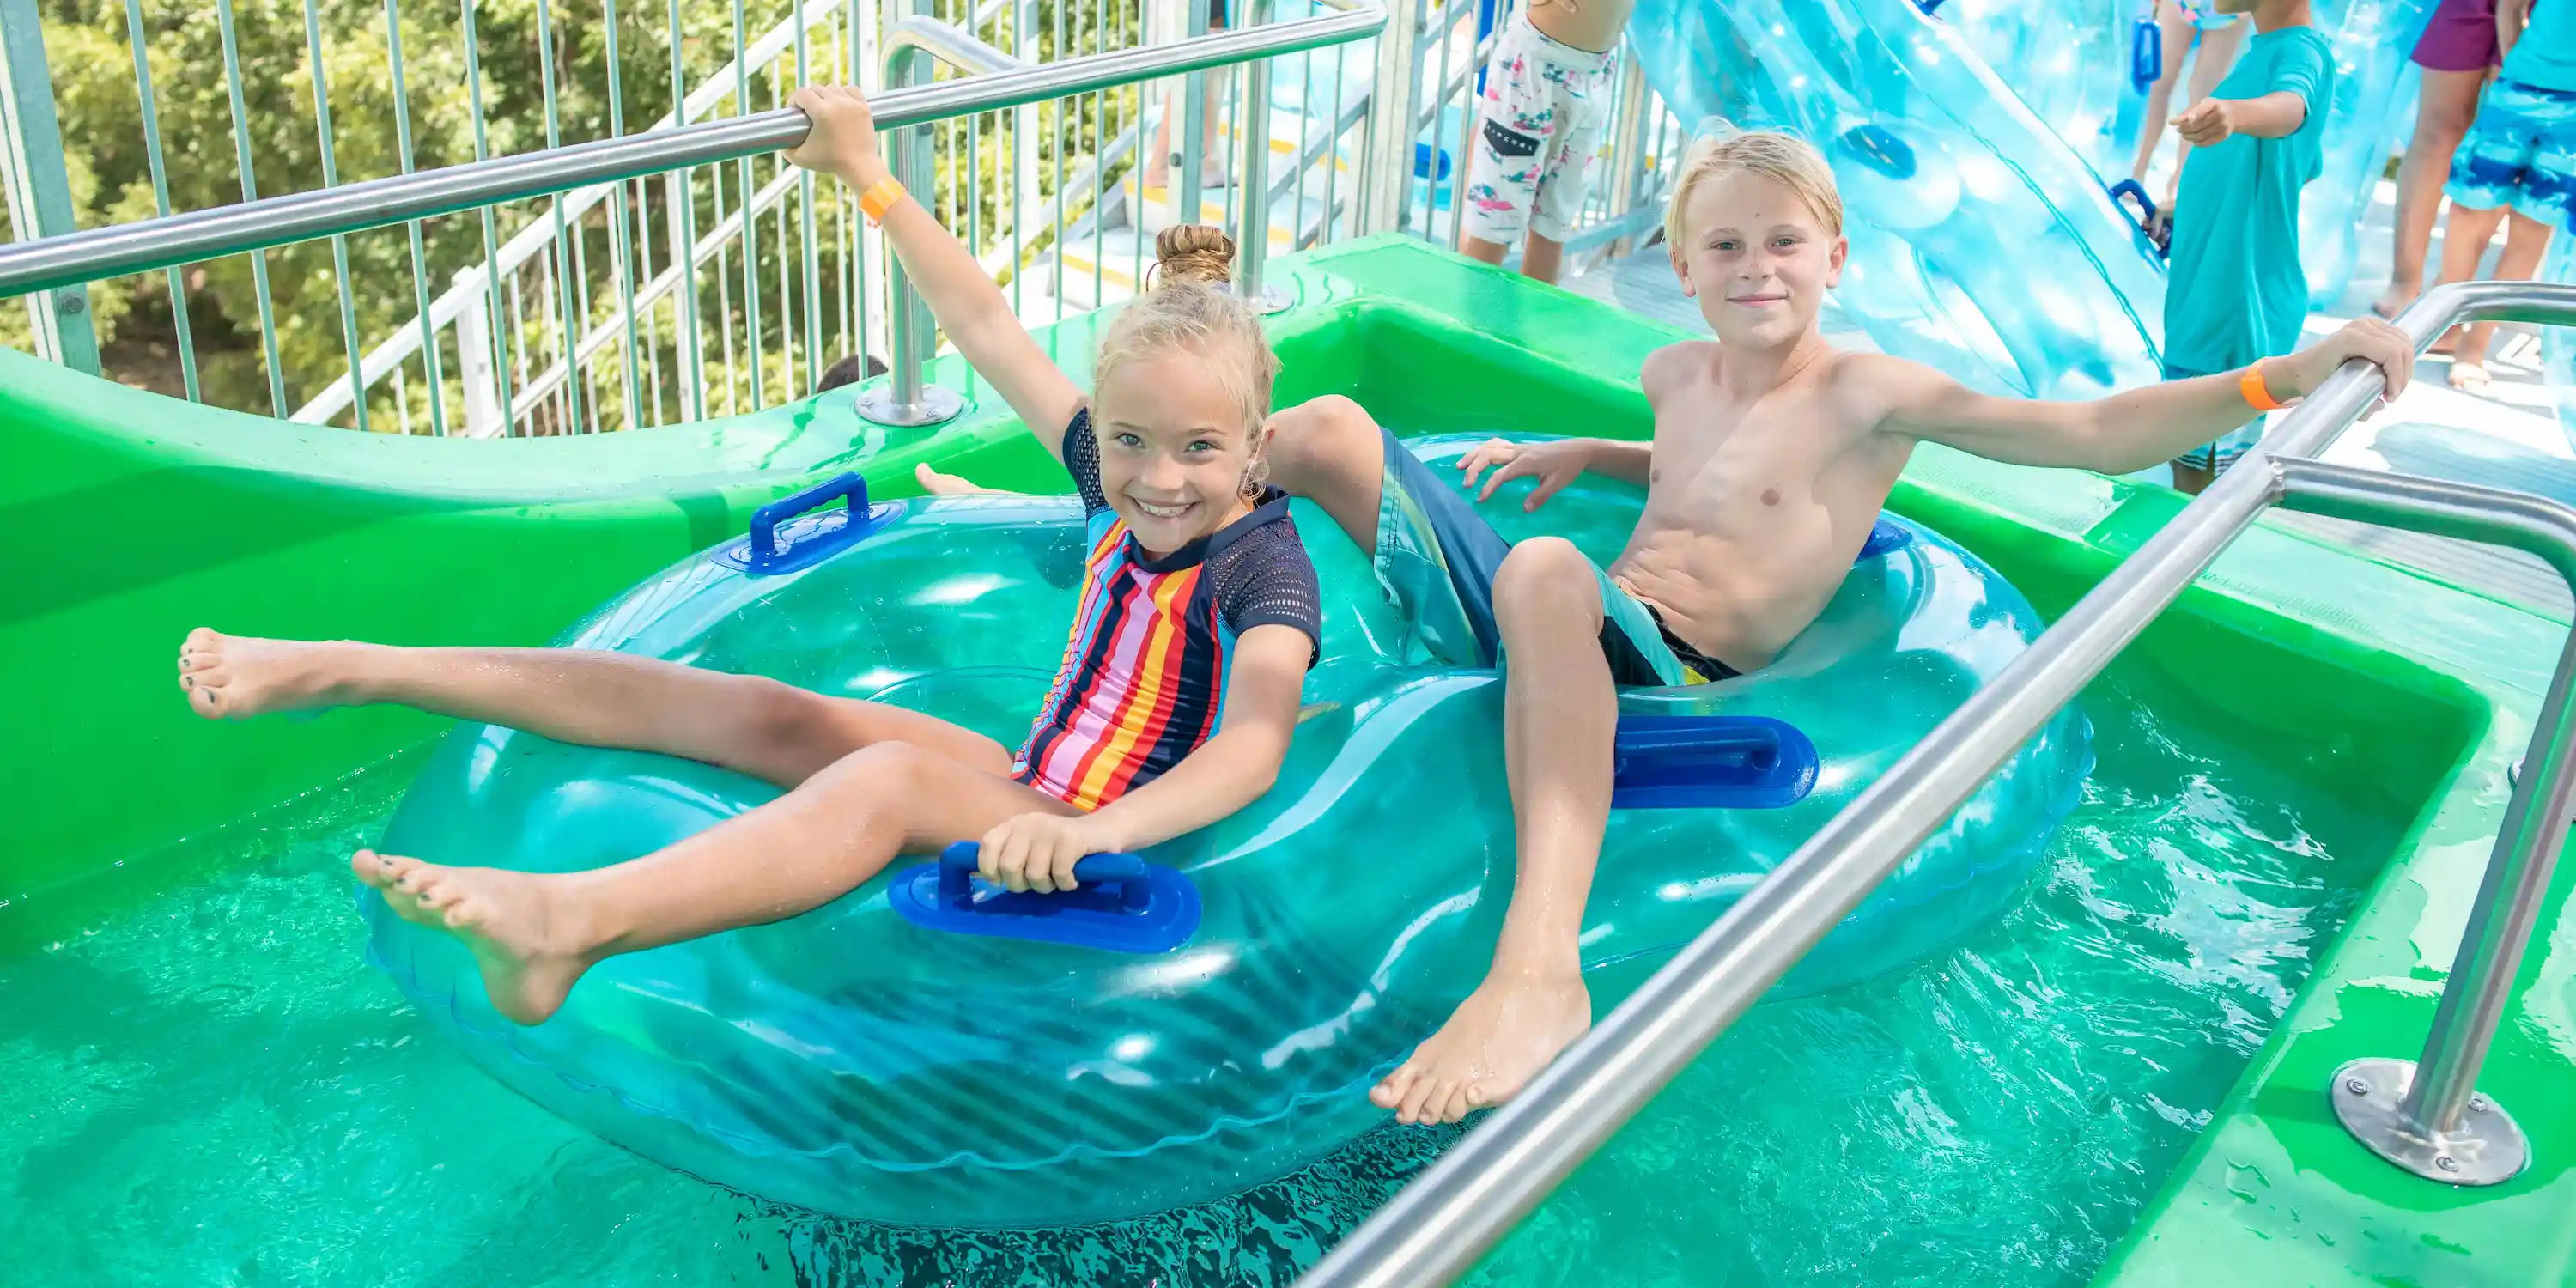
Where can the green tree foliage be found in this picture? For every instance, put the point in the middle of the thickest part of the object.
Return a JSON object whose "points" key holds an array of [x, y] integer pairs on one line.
{"points": [[271, 63]]}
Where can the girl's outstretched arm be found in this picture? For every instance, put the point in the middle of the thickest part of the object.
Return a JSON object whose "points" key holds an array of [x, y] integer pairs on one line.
{"points": [[969, 307]]}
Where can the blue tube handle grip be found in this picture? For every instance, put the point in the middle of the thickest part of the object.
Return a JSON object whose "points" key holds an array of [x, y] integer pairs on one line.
{"points": [[2146, 55], [2133, 188], [958, 863], [765, 520]]}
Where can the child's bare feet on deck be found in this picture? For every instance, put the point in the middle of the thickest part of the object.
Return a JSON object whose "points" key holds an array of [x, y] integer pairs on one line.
{"points": [[235, 676], [1494, 1043], [512, 921]]}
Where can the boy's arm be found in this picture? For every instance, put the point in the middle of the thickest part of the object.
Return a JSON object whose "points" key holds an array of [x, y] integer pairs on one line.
{"points": [[2511, 17], [978, 319], [2276, 115], [2126, 431]]}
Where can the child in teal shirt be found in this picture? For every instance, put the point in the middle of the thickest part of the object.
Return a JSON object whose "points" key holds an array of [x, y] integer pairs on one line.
{"points": [[2236, 294]]}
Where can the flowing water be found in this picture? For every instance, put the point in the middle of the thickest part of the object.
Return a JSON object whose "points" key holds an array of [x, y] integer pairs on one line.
{"points": [[208, 1088]]}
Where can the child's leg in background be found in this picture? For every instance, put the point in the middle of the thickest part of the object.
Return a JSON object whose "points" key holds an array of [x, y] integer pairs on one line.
{"points": [[2449, 103], [2178, 30], [1565, 180], [1515, 119], [2525, 240]]}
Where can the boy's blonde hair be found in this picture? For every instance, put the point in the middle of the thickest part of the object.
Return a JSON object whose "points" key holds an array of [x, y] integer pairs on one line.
{"points": [[1785, 159], [1190, 306]]}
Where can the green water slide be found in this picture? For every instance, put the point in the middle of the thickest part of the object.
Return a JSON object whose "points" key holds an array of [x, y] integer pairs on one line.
{"points": [[2390, 705]]}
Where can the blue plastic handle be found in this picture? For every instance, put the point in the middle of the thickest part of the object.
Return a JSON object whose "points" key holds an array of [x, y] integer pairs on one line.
{"points": [[765, 557], [2146, 55], [2146, 220], [1126, 872]]}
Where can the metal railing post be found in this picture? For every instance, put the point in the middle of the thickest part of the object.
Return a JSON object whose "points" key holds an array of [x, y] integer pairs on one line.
{"points": [[2426, 1115], [38, 184], [1386, 173], [907, 398], [1187, 192], [1252, 237], [1440, 1224]]}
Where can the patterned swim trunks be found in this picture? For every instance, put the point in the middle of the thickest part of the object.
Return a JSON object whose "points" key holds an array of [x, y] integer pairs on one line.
{"points": [[1537, 130], [2521, 152]]}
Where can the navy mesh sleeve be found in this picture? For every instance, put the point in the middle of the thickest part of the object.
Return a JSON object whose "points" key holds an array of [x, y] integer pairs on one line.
{"points": [[1082, 460], [1265, 578]]}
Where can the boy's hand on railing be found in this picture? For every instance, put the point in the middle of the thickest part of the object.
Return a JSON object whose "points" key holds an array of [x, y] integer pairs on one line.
{"points": [[843, 141], [2206, 122], [2369, 339]]}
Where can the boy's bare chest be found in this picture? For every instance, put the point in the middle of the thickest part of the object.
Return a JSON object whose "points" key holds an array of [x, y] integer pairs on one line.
{"points": [[1712, 457]]}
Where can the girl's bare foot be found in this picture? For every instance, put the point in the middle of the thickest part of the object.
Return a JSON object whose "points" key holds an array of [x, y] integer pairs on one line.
{"points": [[518, 929], [2470, 377], [1494, 1043], [2392, 302], [2449, 341], [235, 676], [938, 484]]}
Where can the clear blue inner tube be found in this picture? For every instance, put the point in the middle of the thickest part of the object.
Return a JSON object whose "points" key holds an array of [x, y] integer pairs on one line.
{"points": [[863, 1061]]}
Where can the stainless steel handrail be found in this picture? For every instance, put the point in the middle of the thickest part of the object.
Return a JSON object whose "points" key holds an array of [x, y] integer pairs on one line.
{"points": [[2427, 1116], [1437, 1226], [910, 44], [55, 262]]}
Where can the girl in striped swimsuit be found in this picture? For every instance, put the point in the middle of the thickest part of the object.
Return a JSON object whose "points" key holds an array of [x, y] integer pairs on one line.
{"points": [[1172, 708]]}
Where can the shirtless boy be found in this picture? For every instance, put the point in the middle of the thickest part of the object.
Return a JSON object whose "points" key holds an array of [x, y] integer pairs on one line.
{"points": [[1772, 455]]}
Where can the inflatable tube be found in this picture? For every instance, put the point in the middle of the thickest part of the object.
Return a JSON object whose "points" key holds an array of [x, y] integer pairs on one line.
{"points": [[1980, 243], [2070, 62], [856, 1062]]}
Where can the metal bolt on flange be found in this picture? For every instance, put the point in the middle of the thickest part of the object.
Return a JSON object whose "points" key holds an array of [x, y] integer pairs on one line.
{"points": [[2486, 1147]]}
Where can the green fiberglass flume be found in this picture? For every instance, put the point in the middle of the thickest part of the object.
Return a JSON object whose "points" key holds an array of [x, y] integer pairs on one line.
{"points": [[856, 1061]]}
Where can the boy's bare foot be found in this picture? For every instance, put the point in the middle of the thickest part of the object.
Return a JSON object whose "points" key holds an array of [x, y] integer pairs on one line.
{"points": [[1494, 1043], [2391, 302], [512, 921], [235, 676], [2446, 342]]}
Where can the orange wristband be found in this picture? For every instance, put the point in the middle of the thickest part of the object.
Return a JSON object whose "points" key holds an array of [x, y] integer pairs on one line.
{"points": [[2251, 385], [880, 198]]}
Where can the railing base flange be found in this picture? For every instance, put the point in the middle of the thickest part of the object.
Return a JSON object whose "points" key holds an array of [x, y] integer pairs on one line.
{"points": [[2486, 1149], [936, 405]]}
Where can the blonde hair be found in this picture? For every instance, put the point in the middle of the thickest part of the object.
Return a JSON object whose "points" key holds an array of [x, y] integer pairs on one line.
{"points": [[1190, 306], [1784, 159]]}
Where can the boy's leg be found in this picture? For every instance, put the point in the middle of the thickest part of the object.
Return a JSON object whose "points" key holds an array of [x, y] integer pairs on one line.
{"points": [[1561, 714], [1434, 556], [772, 731], [534, 933]]}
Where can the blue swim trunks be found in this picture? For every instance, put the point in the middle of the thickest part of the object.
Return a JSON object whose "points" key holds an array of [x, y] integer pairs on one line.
{"points": [[2217, 456], [1437, 557], [2521, 152]]}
